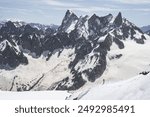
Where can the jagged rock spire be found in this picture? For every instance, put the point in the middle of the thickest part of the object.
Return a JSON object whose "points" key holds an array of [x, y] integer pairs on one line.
{"points": [[118, 20], [69, 18]]}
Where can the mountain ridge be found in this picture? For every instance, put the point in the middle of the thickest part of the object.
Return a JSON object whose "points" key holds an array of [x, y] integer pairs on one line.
{"points": [[82, 42]]}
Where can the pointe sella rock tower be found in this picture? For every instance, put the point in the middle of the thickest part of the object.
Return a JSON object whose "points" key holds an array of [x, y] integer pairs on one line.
{"points": [[74, 53]]}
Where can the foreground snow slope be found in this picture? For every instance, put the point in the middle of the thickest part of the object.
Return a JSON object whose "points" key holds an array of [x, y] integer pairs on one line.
{"points": [[34, 95], [136, 88]]}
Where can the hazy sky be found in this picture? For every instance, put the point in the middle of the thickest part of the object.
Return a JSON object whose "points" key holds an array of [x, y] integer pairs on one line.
{"points": [[52, 11]]}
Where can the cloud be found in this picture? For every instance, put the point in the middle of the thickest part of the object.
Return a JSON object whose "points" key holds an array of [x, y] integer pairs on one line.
{"points": [[61, 4], [104, 9], [94, 9], [78, 0], [75, 5], [16, 9], [133, 1], [88, 9], [141, 9]]}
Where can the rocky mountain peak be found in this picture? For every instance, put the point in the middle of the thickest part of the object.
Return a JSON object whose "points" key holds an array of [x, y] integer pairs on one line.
{"points": [[118, 20], [148, 32], [68, 22], [29, 29], [69, 12], [10, 24], [98, 26], [10, 57], [9, 27]]}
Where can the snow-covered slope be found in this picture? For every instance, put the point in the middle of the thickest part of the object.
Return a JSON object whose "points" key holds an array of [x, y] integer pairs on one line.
{"points": [[128, 62], [145, 28], [123, 77], [136, 88], [39, 74], [148, 32], [34, 95]]}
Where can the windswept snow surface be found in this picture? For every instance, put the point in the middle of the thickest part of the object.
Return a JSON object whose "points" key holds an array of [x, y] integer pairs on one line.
{"points": [[34, 95], [135, 59], [136, 88]]}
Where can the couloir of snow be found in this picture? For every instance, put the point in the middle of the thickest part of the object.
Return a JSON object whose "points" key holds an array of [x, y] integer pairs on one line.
{"points": [[71, 27], [3, 45]]}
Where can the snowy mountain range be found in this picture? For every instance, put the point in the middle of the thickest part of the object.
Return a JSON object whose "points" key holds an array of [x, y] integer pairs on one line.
{"points": [[148, 32], [82, 53], [34, 25], [146, 29]]}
